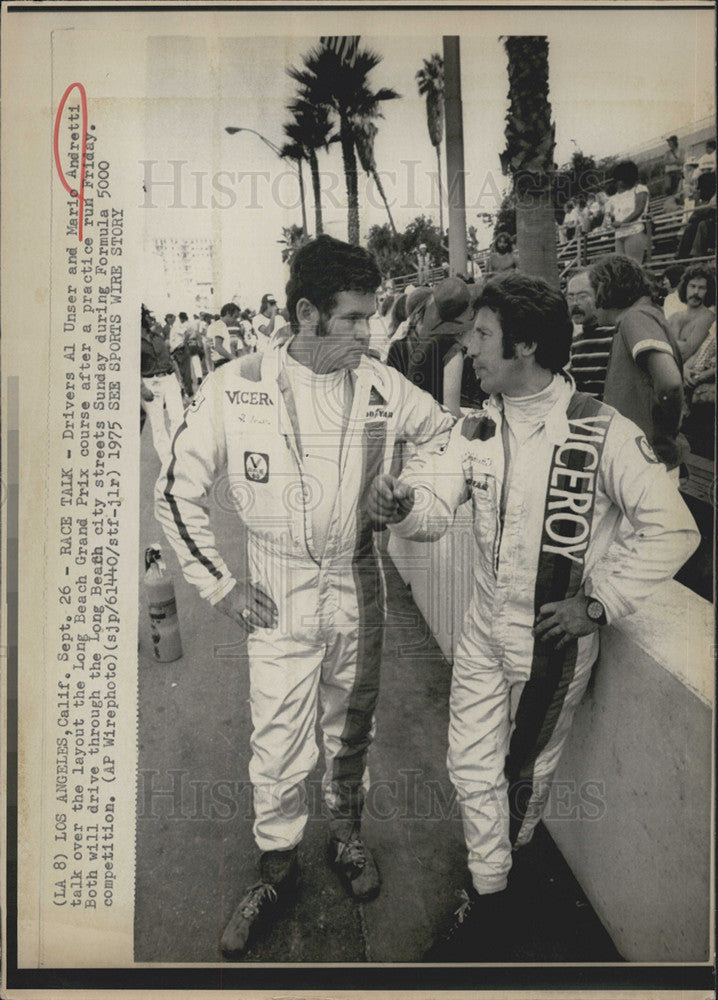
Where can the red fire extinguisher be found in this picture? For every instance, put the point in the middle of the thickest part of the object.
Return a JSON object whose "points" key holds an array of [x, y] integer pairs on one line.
{"points": [[164, 624]]}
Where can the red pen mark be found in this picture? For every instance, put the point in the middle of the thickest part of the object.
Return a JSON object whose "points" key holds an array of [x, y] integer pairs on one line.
{"points": [[78, 192]]}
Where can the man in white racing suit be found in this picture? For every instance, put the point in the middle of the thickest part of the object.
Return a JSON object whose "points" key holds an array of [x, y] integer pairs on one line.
{"points": [[300, 432], [550, 473]]}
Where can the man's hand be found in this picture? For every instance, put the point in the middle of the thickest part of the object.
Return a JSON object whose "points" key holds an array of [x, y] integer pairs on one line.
{"points": [[146, 393], [560, 622], [389, 501], [249, 607]]}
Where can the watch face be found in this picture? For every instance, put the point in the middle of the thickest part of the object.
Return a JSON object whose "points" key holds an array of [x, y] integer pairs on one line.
{"points": [[594, 610]]}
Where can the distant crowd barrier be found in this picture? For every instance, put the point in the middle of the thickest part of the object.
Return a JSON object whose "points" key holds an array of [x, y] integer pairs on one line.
{"points": [[642, 744]]}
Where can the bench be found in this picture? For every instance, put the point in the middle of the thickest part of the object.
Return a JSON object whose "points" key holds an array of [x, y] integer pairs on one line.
{"points": [[701, 482]]}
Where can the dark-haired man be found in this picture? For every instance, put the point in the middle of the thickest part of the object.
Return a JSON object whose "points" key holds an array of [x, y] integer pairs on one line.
{"points": [[697, 290], [550, 473], [644, 378], [304, 427]]}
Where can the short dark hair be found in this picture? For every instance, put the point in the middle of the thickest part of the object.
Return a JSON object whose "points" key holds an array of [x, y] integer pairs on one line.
{"points": [[710, 145], [699, 271], [530, 312], [183, 317], [265, 301], [324, 267], [228, 309], [618, 282], [626, 171]]}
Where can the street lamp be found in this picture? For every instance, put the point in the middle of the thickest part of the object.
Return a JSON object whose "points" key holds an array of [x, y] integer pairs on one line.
{"points": [[234, 129]]}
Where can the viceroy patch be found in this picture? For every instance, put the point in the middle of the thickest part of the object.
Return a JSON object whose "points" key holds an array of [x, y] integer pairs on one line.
{"points": [[256, 466]]}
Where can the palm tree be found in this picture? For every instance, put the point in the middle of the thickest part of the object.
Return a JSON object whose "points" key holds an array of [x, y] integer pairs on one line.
{"points": [[430, 79], [364, 135], [529, 154], [314, 131], [294, 151], [328, 81]]}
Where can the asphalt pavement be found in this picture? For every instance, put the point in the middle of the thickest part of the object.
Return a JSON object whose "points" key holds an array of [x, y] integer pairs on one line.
{"points": [[195, 851]]}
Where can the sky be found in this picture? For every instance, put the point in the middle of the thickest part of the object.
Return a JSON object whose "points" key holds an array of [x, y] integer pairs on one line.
{"points": [[617, 79]]}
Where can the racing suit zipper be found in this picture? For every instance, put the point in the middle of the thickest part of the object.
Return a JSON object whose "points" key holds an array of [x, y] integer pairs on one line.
{"points": [[304, 506]]}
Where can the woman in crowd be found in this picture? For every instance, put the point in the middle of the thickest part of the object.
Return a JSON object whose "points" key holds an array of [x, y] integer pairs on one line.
{"points": [[627, 212]]}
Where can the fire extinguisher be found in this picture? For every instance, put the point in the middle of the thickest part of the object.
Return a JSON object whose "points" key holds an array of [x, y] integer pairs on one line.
{"points": [[164, 624]]}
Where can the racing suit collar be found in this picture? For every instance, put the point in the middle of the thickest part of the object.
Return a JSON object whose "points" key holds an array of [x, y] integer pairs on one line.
{"points": [[365, 372], [555, 422]]}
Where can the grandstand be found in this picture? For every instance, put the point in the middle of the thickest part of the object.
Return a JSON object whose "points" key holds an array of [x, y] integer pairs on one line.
{"points": [[665, 232]]}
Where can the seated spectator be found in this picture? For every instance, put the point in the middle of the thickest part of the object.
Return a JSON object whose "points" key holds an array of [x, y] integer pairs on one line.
{"points": [[689, 179], [582, 212], [671, 279], [690, 327], [595, 207], [707, 162], [699, 380], [672, 165], [502, 257], [627, 211], [698, 239], [591, 344], [571, 220]]}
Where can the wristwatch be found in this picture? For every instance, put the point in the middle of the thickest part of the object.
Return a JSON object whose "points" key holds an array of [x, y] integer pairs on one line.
{"points": [[595, 611]]}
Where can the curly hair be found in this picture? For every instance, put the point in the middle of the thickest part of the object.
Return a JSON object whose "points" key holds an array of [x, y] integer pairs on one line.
{"points": [[618, 282], [324, 267], [627, 172], [530, 312], [699, 271]]}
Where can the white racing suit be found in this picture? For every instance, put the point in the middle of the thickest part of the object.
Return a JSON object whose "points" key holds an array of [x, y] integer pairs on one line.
{"points": [[513, 697], [242, 439]]}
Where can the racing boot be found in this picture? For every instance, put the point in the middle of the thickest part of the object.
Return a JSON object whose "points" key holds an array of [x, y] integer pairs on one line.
{"points": [[258, 906], [350, 856], [475, 933]]}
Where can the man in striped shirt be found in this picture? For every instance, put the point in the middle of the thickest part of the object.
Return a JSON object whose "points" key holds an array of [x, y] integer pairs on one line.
{"points": [[591, 344]]}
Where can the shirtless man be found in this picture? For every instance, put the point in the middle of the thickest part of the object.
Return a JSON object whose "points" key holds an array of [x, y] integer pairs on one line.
{"points": [[690, 327]]}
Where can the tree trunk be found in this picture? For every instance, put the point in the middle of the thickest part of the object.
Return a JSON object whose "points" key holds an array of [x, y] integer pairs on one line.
{"points": [[301, 195], [441, 197], [380, 188], [530, 142], [536, 236], [350, 175], [317, 189]]}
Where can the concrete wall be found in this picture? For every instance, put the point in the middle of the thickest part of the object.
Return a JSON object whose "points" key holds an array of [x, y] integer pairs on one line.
{"points": [[631, 808]]}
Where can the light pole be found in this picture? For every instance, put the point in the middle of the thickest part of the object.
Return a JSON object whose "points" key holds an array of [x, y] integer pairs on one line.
{"points": [[233, 129], [455, 155]]}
